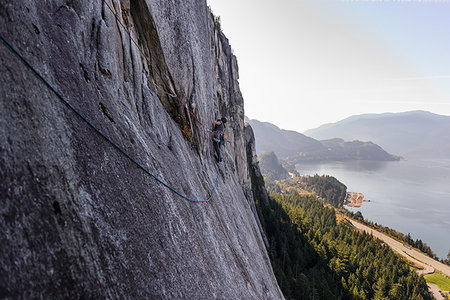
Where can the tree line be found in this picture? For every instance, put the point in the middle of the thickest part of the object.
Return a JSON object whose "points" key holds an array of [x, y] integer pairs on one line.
{"points": [[314, 257], [334, 192], [327, 187], [405, 238]]}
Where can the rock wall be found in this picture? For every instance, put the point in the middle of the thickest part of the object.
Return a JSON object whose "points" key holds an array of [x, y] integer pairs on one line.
{"points": [[257, 180], [79, 220]]}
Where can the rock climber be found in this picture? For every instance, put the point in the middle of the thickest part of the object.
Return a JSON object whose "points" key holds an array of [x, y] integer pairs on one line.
{"points": [[218, 135]]}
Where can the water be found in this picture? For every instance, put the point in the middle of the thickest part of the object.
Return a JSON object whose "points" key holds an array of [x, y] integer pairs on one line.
{"points": [[410, 196]]}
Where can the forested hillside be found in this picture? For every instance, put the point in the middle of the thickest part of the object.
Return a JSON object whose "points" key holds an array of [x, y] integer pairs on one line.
{"points": [[325, 186], [406, 238], [314, 257], [271, 167]]}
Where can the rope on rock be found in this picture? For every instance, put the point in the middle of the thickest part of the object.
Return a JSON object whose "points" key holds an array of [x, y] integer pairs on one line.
{"points": [[170, 93], [111, 142]]}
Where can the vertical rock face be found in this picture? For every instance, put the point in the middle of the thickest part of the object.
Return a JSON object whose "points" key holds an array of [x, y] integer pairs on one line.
{"points": [[79, 219], [257, 180], [258, 186]]}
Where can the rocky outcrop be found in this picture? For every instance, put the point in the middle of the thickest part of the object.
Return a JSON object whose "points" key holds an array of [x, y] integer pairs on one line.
{"points": [[257, 180], [271, 167], [80, 220], [253, 165]]}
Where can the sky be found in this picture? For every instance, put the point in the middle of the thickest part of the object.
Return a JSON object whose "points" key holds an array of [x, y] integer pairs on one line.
{"points": [[304, 63]]}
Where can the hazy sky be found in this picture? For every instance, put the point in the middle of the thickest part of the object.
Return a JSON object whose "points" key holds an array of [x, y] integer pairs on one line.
{"points": [[303, 63]]}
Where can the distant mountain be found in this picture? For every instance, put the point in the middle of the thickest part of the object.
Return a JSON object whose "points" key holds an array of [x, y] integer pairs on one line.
{"points": [[296, 147], [409, 134], [339, 149], [271, 167], [283, 142]]}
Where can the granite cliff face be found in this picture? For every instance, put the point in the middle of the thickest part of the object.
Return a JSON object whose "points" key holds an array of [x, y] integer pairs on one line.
{"points": [[79, 220]]}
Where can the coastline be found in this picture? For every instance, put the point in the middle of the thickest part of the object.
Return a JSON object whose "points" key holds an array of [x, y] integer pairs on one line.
{"points": [[353, 199], [429, 265], [415, 257], [397, 191]]}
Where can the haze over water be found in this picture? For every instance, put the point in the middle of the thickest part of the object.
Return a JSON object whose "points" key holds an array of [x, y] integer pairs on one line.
{"points": [[410, 196]]}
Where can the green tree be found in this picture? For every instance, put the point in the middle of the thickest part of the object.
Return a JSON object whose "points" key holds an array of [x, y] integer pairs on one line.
{"points": [[313, 257], [397, 291]]}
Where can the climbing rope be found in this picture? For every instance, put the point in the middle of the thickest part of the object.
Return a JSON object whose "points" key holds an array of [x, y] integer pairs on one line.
{"points": [[111, 142], [170, 93]]}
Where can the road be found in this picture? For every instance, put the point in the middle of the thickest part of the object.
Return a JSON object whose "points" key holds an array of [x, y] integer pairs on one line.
{"points": [[427, 263], [435, 290]]}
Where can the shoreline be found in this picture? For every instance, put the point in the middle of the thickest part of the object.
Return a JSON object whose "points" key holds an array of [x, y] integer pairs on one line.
{"points": [[412, 256], [395, 191], [353, 199], [429, 264]]}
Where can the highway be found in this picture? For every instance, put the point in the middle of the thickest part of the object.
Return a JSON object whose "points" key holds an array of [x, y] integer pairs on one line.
{"points": [[427, 263]]}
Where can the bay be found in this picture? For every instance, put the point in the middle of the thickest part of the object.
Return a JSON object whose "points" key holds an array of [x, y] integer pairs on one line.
{"points": [[410, 196]]}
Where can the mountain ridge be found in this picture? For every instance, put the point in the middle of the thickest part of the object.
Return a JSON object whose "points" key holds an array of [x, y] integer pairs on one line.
{"points": [[409, 134], [296, 147]]}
